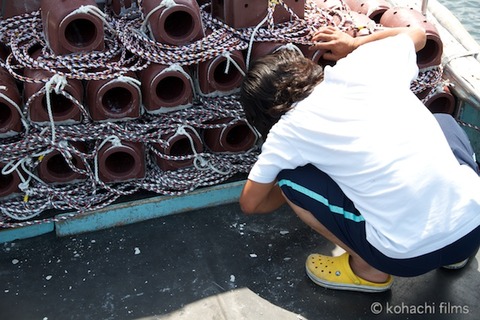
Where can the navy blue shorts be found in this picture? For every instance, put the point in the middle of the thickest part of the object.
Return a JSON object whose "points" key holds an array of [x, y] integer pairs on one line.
{"points": [[314, 191]]}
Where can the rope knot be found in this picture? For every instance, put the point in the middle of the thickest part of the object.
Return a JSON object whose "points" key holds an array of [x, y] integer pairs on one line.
{"points": [[174, 67], [227, 55], [168, 4], [116, 142], [64, 145], [181, 131], [57, 82], [129, 80], [23, 186], [274, 3]]}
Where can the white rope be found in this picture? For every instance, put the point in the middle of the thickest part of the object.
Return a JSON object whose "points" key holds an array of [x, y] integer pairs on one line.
{"points": [[252, 39], [24, 186], [255, 132], [59, 82], [182, 132], [64, 145], [10, 101], [115, 141], [13, 103], [10, 167], [199, 162], [163, 4], [124, 10], [291, 47], [94, 11], [33, 214], [133, 82], [229, 58], [178, 68], [28, 161]]}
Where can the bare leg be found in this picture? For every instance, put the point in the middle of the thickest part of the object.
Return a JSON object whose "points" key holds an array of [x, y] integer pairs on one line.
{"points": [[359, 266]]}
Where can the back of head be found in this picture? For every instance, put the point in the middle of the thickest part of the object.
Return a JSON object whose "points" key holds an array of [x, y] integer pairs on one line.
{"points": [[274, 83]]}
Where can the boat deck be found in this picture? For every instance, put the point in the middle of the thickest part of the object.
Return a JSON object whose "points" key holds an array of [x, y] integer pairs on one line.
{"points": [[215, 262], [212, 263]]}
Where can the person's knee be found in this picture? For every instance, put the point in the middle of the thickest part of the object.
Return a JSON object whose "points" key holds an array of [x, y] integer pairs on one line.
{"points": [[458, 140]]}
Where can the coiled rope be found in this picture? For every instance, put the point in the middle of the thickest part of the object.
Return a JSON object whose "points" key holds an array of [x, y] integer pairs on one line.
{"points": [[130, 48]]}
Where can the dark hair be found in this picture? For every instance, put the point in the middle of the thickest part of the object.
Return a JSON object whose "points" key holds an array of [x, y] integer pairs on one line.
{"points": [[274, 83]]}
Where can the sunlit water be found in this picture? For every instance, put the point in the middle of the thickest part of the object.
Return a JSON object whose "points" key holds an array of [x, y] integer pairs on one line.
{"points": [[467, 11]]}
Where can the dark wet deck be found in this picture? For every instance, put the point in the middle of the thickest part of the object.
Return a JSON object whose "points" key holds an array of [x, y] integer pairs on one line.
{"points": [[208, 264]]}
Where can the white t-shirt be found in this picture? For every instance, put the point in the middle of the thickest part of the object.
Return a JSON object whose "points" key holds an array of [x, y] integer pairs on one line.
{"points": [[365, 128]]}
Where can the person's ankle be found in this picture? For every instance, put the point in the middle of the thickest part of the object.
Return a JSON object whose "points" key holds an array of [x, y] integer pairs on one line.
{"points": [[367, 272]]}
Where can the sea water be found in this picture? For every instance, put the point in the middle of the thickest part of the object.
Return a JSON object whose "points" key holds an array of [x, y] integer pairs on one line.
{"points": [[467, 12]]}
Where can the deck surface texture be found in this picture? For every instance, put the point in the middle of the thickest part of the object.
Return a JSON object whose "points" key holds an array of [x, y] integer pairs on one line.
{"points": [[214, 263]]}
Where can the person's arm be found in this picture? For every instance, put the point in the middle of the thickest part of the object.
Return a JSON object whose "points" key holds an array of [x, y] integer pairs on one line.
{"points": [[261, 197], [339, 44]]}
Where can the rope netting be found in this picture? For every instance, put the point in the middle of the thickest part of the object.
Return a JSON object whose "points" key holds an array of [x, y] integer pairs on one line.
{"points": [[130, 48]]}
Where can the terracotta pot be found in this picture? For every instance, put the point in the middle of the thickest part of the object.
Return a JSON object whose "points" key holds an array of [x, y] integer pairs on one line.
{"points": [[113, 99], [178, 24], [4, 52], [314, 55], [166, 88], [10, 118], [121, 163], [442, 101], [249, 13], [423, 94], [179, 145], [63, 109], [211, 74], [67, 31], [358, 24], [235, 137], [13, 8], [431, 54], [329, 4], [54, 169], [374, 9], [337, 9], [8, 183], [260, 49]]}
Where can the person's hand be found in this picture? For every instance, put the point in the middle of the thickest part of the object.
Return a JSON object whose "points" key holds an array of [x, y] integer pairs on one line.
{"points": [[337, 44]]}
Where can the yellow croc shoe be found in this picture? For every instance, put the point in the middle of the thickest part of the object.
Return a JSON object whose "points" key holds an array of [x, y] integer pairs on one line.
{"points": [[335, 273]]}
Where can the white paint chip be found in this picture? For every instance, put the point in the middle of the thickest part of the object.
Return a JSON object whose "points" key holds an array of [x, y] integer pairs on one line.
{"points": [[48, 277], [137, 251], [15, 261], [232, 278], [253, 255]]}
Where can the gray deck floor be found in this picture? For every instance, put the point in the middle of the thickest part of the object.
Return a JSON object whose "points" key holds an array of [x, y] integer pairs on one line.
{"points": [[213, 263]]}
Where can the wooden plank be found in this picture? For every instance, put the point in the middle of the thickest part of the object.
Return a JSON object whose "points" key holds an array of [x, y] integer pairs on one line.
{"points": [[471, 115], [8, 235], [151, 208]]}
